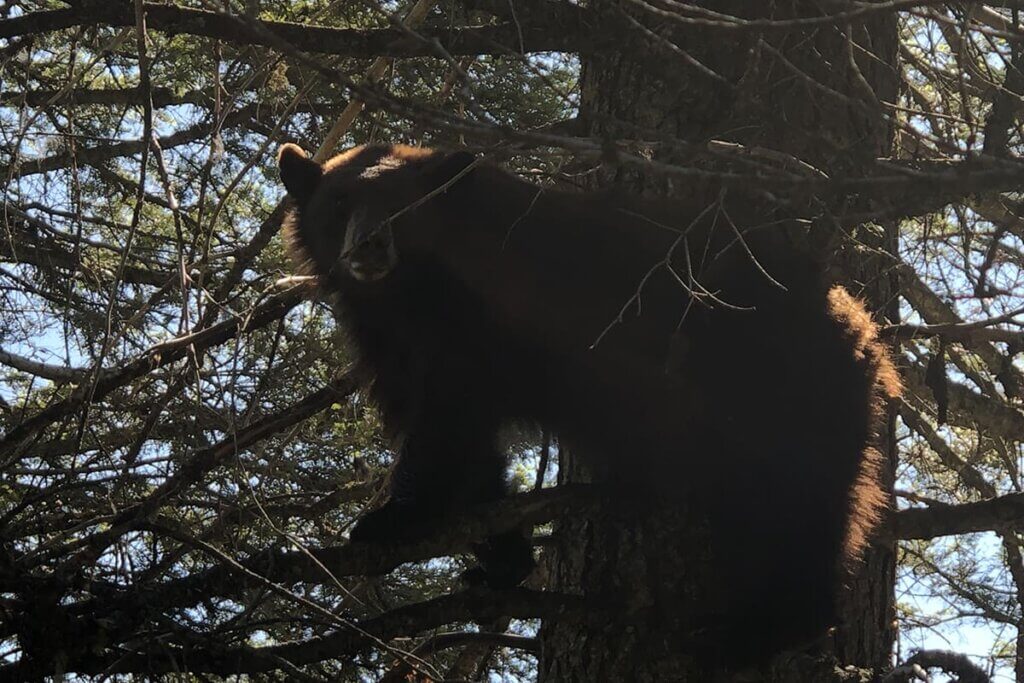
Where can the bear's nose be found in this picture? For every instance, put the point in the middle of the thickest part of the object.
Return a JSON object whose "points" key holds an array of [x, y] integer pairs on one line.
{"points": [[373, 257], [369, 268]]}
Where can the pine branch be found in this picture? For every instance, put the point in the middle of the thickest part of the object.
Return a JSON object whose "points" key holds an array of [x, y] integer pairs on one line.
{"points": [[544, 36]]}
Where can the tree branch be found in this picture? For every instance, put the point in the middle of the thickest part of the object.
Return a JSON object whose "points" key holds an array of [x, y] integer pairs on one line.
{"points": [[128, 608], [955, 663], [22, 245], [565, 35], [157, 356], [56, 373], [477, 604], [95, 155], [971, 409], [443, 641], [1005, 512]]}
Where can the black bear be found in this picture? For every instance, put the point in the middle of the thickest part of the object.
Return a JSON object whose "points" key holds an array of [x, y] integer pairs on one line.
{"points": [[686, 350]]}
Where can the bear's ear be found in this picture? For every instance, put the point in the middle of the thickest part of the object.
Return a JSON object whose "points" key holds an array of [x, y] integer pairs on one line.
{"points": [[448, 170], [299, 173]]}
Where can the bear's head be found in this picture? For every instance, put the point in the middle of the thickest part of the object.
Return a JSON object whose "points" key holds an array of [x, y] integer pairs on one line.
{"points": [[350, 213]]}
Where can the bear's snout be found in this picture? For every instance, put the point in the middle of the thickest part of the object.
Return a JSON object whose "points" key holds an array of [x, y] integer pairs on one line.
{"points": [[369, 256]]}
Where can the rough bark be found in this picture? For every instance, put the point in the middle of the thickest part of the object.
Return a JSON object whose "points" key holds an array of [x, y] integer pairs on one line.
{"points": [[795, 90], [867, 631], [641, 567]]}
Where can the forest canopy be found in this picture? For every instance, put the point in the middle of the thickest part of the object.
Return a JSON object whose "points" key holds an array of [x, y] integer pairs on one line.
{"points": [[184, 446]]}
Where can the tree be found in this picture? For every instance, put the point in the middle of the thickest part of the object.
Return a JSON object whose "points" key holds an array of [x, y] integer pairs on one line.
{"points": [[751, 90], [183, 449]]}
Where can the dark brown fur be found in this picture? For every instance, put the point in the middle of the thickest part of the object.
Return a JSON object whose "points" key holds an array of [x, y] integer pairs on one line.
{"points": [[649, 334]]}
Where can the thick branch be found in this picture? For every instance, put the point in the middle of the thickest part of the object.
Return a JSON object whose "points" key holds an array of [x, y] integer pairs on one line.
{"points": [[966, 333], [965, 670], [971, 409], [444, 641], [56, 373], [564, 35], [162, 97], [353, 559], [471, 605], [1005, 512]]}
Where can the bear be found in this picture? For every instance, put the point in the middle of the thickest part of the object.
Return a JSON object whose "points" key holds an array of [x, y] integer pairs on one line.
{"points": [[685, 349]]}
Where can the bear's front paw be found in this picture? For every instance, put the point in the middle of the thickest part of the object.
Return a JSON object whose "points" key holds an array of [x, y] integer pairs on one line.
{"points": [[391, 522], [505, 561]]}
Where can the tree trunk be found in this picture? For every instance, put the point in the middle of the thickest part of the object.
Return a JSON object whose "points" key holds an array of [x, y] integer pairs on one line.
{"points": [[652, 565], [866, 633]]}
